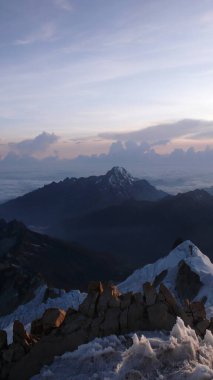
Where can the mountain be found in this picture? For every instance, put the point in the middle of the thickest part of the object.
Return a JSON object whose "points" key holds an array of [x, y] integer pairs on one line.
{"points": [[186, 271], [144, 329], [138, 232], [29, 261], [48, 206]]}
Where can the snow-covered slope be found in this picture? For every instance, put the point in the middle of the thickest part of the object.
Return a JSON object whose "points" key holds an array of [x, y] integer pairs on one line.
{"points": [[193, 257], [182, 355]]}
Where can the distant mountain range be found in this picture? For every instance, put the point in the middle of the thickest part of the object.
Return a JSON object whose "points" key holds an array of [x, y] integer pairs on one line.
{"points": [[51, 204], [116, 213]]}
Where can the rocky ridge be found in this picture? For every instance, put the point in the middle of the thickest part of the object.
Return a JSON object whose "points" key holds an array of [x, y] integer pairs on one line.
{"points": [[105, 311]]}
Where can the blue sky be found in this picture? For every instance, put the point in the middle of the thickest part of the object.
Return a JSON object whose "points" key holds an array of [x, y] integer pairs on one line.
{"points": [[81, 68]]}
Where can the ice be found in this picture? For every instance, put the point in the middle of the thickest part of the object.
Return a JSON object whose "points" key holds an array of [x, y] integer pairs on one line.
{"points": [[178, 356]]}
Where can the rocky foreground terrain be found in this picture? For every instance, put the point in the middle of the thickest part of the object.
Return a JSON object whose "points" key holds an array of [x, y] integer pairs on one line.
{"points": [[104, 312], [172, 295]]}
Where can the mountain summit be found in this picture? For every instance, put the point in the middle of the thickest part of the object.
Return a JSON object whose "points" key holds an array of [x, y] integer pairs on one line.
{"points": [[75, 197]]}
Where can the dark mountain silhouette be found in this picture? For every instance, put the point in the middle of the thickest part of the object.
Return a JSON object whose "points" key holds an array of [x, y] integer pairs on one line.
{"points": [[29, 260], [138, 232], [72, 197]]}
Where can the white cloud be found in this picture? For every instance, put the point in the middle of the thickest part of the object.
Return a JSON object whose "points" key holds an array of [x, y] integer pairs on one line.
{"points": [[36, 145]]}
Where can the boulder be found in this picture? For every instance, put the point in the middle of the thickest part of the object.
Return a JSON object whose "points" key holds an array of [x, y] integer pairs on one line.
{"points": [[52, 318], [149, 293]]}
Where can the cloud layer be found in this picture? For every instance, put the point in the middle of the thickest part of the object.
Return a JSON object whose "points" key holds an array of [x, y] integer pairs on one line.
{"points": [[38, 144]]}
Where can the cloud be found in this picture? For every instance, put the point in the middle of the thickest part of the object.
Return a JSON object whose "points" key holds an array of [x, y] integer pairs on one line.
{"points": [[64, 5], [45, 33], [37, 145], [164, 133]]}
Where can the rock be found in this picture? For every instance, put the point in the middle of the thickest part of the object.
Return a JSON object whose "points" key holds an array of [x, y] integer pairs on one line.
{"points": [[89, 305], [198, 311], [37, 327], [202, 326], [95, 286], [124, 321], [95, 327], [149, 293], [52, 318], [138, 298], [111, 322], [160, 318], [169, 298], [136, 317], [125, 300], [109, 298], [20, 336], [3, 339], [188, 282], [159, 278]]}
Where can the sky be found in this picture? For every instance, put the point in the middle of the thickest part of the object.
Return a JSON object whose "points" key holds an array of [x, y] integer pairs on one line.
{"points": [[86, 70]]}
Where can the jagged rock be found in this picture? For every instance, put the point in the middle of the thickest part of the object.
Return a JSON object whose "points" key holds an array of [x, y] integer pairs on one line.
{"points": [[95, 327], [159, 278], [21, 337], [109, 298], [3, 339], [202, 326], [169, 298], [95, 286], [188, 282], [89, 305], [149, 293], [198, 311], [160, 318], [125, 300], [52, 318]]}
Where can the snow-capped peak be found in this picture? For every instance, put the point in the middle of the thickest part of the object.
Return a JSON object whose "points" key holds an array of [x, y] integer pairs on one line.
{"points": [[118, 175], [186, 251]]}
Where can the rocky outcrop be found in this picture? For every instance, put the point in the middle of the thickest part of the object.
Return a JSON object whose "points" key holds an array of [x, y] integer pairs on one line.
{"points": [[188, 282], [104, 312]]}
